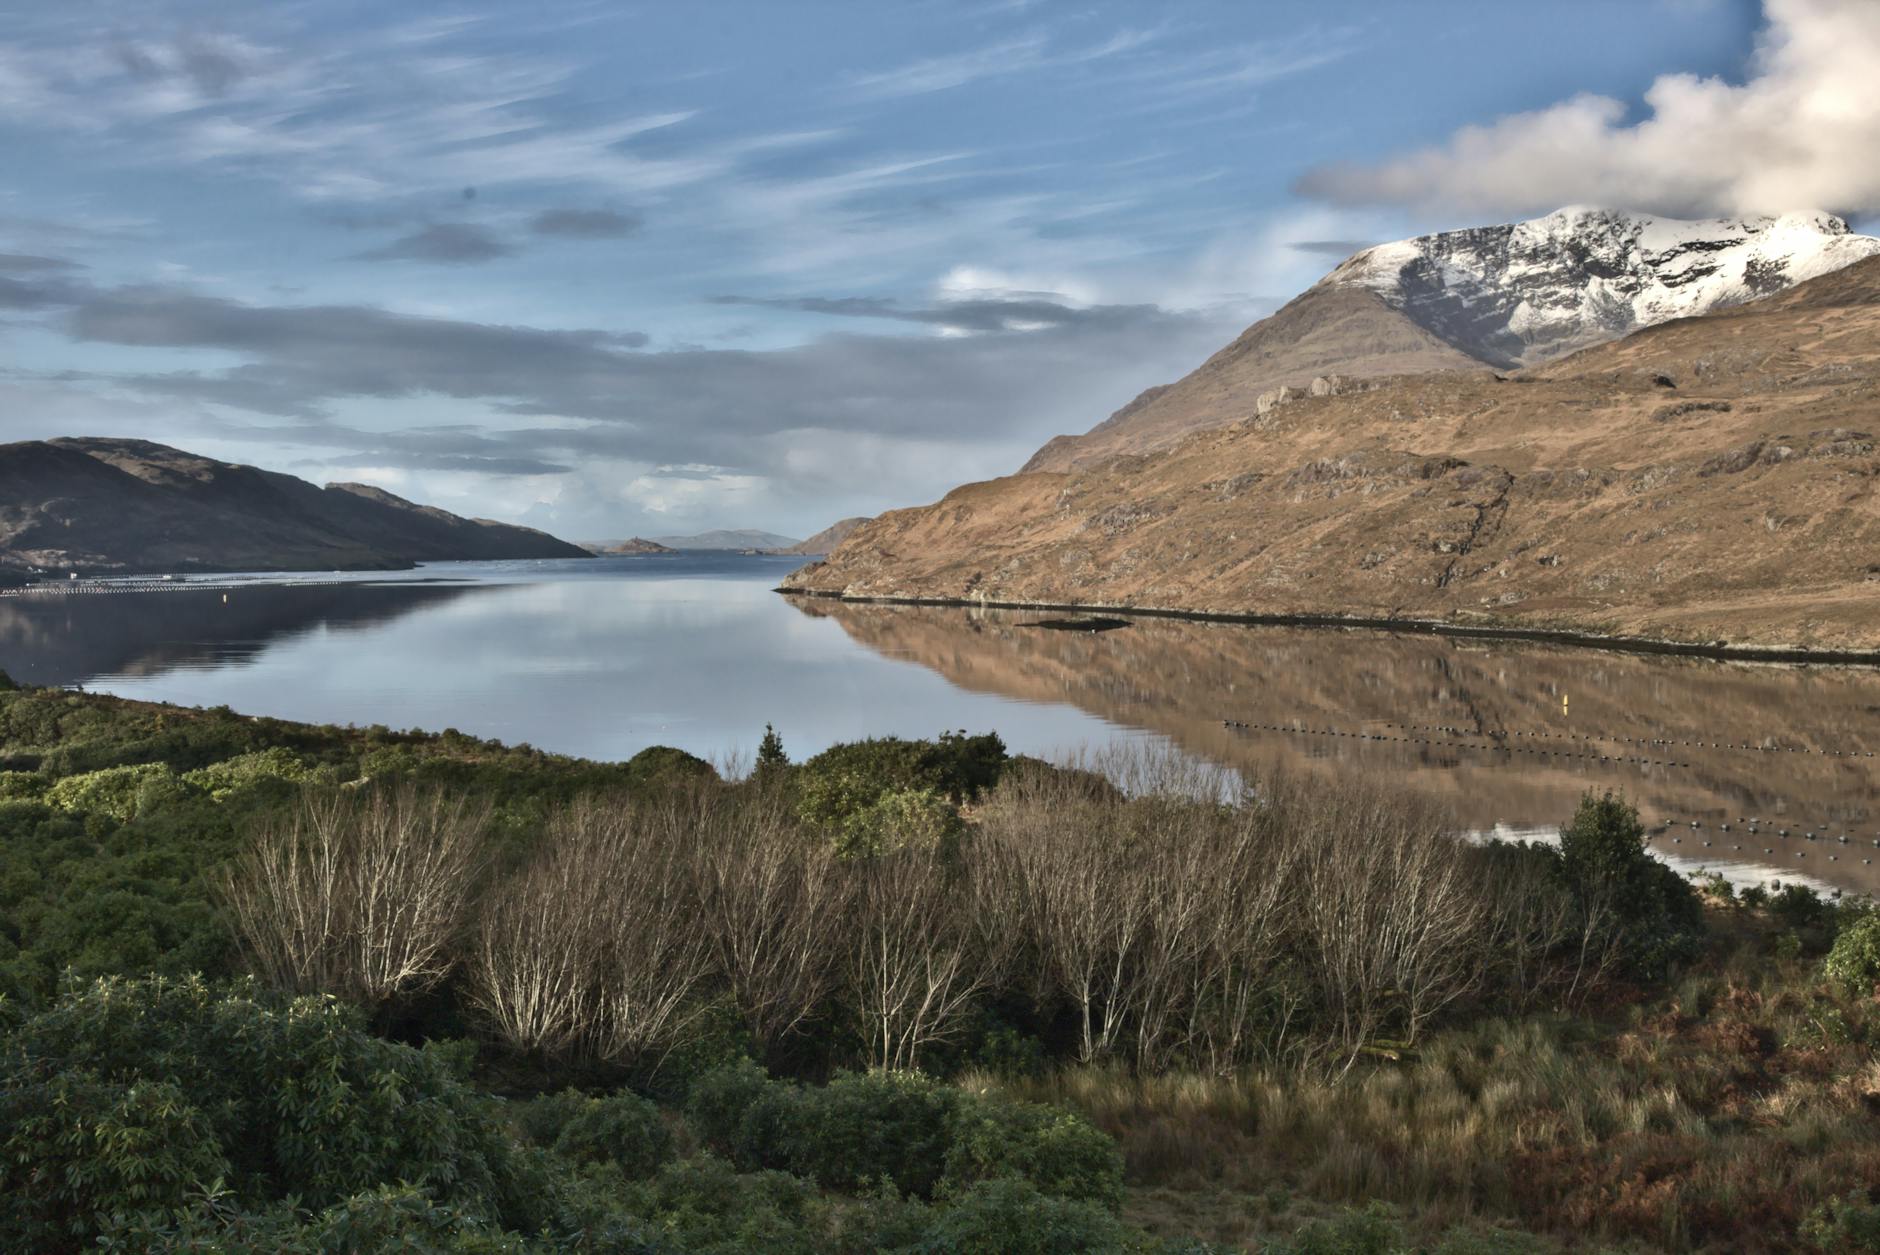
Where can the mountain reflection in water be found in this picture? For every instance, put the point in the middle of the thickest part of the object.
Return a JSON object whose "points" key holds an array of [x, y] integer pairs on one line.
{"points": [[1508, 734]]}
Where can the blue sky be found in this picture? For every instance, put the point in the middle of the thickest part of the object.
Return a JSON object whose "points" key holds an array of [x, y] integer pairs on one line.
{"points": [[640, 268]]}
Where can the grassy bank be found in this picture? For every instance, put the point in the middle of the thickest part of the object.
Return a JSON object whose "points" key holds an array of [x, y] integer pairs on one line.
{"points": [[904, 995]]}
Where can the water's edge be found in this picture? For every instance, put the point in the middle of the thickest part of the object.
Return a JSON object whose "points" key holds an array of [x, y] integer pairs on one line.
{"points": [[1421, 627]]}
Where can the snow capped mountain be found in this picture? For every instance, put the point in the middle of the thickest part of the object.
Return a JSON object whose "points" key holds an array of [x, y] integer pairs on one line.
{"points": [[1524, 292]]}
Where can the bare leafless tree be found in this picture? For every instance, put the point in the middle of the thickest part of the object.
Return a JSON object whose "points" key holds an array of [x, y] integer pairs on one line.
{"points": [[918, 958], [1245, 922], [1390, 914], [1057, 859], [770, 904], [360, 893], [594, 949]]}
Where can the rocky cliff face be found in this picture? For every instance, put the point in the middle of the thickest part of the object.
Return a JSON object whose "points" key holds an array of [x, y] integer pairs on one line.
{"points": [[1495, 297], [1710, 479]]}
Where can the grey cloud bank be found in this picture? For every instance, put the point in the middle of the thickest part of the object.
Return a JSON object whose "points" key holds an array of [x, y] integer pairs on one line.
{"points": [[454, 243]]}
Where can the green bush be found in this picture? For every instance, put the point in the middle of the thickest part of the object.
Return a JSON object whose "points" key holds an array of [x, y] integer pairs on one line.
{"points": [[1854, 960], [1844, 1226], [1799, 907], [79, 1149], [219, 780], [389, 1218], [900, 819], [1013, 1217], [1059, 1152], [622, 1129], [282, 1099], [662, 766], [120, 792], [21, 785], [846, 780], [541, 1119], [719, 1109], [864, 1128], [704, 1207], [1649, 909], [858, 1130]]}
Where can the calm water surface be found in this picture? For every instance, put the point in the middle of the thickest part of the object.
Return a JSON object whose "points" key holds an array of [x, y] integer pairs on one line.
{"points": [[606, 657]]}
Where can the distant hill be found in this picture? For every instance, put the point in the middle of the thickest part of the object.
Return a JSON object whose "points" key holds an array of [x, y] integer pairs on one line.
{"points": [[631, 545], [102, 505], [732, 539], [828, 538]]}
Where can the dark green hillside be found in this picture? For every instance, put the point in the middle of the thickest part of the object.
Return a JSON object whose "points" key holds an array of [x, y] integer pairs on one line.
{"points": [[114, 506]]}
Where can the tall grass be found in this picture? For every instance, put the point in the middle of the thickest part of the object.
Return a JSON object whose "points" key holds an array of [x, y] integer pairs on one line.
{"points": [[1714, 1116]]}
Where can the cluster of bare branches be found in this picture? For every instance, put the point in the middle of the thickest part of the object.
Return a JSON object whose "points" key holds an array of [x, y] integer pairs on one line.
{"points": [[1181, 920], [360, 893], [594, 948], [1191, 926]]}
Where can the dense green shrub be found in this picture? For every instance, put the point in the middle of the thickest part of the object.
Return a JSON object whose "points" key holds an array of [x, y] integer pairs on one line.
{"points": [[662, 766], [844, 781], [1649, 910], [541, 1119], [1014, 1217], [1059, 1152], [388, 1218], [705, 1207], [900, 819], [119, 792], [858, 1130], [219, 780], [78, 1149], [1844, 1226], [622, 1129], [21, 785], [1799, 907], [864, 1129], [281, 1099], [1854, 960]]}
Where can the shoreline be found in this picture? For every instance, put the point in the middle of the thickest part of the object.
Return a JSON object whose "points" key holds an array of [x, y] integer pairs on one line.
{"points": [[1420, 627]]}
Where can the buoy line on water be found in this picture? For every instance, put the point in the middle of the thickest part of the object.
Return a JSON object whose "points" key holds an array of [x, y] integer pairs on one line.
{"points": [[157, 586], [1683, 742]]}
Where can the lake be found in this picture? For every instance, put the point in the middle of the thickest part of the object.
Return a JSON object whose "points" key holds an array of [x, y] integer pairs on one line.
{"points": [[606, 657]]}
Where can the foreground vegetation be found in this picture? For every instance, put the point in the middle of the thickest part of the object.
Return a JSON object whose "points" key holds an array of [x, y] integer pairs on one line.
{"points": [[267, 986]]}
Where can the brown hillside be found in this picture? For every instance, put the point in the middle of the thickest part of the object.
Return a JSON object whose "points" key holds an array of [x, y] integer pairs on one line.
{"points": [[1710, 479], [1348, 332]]}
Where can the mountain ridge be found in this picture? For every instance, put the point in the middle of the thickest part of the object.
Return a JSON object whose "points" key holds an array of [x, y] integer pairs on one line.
{"points": [[1709, 480], [1494, 298], [110, 505]]}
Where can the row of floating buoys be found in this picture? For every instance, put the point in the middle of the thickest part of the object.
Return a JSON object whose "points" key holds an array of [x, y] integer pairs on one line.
{"points": [[94, 590], [1240, 725], [1636, 740], [1782, 833]]}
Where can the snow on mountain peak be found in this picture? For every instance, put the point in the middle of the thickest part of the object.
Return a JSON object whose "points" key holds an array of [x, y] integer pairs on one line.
{"points": [[1524, 292]]}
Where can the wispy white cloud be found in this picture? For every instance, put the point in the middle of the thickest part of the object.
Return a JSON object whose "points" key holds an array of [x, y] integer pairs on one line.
{"points": [[1028, 52]]}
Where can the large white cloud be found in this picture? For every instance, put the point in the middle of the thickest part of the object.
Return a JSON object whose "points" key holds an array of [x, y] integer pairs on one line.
{"points": [[1803, 131]]}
